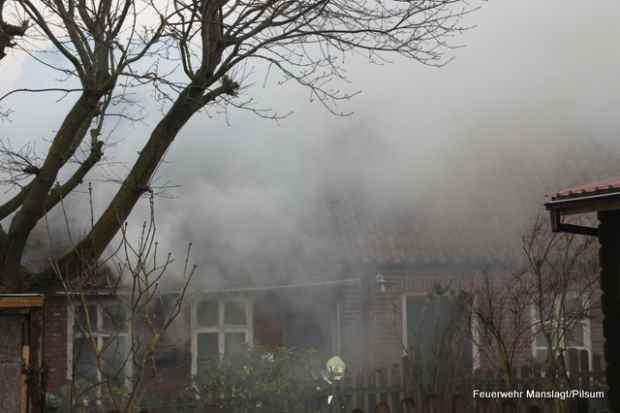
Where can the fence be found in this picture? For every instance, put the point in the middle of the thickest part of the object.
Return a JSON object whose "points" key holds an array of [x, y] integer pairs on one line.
{"points": [[367, 391], [386, 391]]}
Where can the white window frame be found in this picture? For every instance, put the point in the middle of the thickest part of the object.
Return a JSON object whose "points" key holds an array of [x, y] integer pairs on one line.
{"points": [[475, 333], [98, 334], [537, 325], [221, 328]]}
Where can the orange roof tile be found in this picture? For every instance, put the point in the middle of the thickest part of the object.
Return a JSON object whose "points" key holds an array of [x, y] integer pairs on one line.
{"points": [[593, 188]]}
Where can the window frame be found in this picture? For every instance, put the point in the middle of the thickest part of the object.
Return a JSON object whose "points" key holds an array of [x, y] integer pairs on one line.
{"points": [[221, 328], [537, 325], [475, 327], [99, 334]]}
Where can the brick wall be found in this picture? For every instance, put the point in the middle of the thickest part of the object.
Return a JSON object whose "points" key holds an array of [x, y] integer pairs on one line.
{"points": [[382, 335], [55, 341], [385, 330], [386, 310]]}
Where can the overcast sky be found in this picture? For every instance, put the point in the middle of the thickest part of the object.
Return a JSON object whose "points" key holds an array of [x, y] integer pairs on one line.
{"points": [[530, 104]]}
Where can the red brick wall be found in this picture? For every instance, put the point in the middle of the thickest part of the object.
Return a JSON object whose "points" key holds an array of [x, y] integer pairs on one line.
{"points": [[383, 331], [385, 311], [55, 341]]}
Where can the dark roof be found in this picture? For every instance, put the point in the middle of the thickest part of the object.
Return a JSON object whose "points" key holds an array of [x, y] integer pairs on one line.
{"points": [[604, 186], [404, 237]]}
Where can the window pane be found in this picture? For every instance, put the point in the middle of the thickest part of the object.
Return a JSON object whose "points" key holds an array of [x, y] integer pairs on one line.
{"points": [[234, 342], [207, 313], [115, 353], [574, 307], [234, 313], [114, 318], [575, 336], [80, 321], [84, 361], [431, 322], [207, 346]]}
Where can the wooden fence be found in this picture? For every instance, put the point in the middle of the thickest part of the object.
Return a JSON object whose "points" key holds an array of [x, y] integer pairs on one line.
{"points": [[367, 391]]}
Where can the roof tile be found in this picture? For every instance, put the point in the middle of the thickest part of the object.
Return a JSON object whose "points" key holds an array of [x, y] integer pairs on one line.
{"points": [[593, 188]]}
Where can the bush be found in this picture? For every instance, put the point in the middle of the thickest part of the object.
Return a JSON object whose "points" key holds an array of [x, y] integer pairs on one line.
{"points": [[83, 396], [258, 380]]}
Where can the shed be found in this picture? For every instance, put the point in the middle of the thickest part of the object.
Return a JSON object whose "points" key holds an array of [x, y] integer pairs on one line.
{"points": [[21, 321]]}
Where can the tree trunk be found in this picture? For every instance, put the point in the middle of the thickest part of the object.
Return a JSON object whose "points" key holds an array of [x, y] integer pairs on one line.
{"points": [[134, 186], [33, 206]]}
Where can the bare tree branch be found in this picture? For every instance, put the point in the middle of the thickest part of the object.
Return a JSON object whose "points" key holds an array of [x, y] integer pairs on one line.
{"points": [[121, 44]]}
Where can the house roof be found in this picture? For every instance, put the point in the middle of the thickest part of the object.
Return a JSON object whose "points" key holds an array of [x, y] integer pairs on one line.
{"points": [[600, 187], [597, 196], [602, 195], [403, 236]]}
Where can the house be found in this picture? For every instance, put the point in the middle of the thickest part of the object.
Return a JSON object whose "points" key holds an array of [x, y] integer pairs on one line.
{"points": [[389, 302]]}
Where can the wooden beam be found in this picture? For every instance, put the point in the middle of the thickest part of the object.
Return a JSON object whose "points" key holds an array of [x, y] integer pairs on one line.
{"points": [[586, 204], [578, 229], [7, 302], [558, 226], [556, 220]]}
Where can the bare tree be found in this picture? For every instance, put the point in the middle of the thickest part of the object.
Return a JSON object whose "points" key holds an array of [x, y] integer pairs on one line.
{"points": [[8, 32], [120, 318], [545, 302], [564, 287], [501, 322], [439, 355], [110, 47]]}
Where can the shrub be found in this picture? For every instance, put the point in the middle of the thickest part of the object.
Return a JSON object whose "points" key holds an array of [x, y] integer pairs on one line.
{"points": [[258, 380]]}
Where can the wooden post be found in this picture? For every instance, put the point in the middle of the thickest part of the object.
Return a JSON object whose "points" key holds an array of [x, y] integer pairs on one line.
{"points": [[609, 237]]}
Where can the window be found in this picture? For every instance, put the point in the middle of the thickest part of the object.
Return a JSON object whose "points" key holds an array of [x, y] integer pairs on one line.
{"points": [[433, 334], [311, 326], [99, 328], [568, 327], [219, 326]]}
